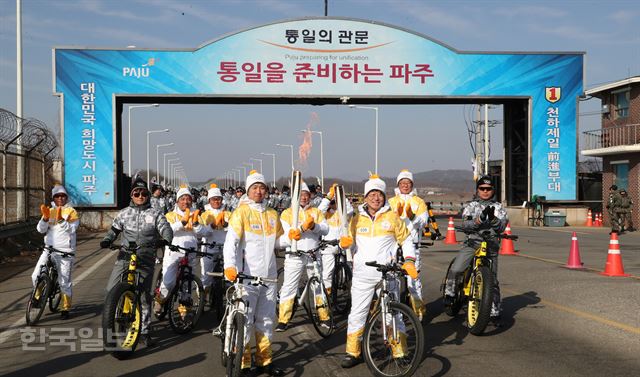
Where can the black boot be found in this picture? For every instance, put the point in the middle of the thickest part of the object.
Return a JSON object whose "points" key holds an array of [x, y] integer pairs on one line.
{"points": [[64, 314], [147, 340], [270, 370], [350, 362]]}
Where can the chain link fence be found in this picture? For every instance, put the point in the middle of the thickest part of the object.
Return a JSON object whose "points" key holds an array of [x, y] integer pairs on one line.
{"points": [[26, 167]]}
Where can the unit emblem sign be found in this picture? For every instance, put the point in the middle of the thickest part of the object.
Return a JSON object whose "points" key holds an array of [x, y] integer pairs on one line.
{"points": [[552, 94]]}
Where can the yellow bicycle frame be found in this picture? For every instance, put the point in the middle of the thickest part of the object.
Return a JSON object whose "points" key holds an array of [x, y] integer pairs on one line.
{"points": [[480, 252], [131, 277]]}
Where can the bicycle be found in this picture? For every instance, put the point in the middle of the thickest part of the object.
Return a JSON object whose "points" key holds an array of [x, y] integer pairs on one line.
{"points": [[184, 311], [232, 326], [318, 304], [475, 286], [341, 283], [393, 338], [216, 293], [46, 289], [122, 318]]}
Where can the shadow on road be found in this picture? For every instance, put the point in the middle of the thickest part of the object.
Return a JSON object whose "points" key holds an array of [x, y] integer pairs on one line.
{"points": [[161, 368], [56, 365]]}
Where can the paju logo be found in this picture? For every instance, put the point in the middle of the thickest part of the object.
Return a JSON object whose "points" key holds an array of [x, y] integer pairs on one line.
{"points": [[138, 72]]}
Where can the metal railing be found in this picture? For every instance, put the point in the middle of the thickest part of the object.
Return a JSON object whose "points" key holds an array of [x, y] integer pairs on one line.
{"points": [[26, 169], [611, 137]]}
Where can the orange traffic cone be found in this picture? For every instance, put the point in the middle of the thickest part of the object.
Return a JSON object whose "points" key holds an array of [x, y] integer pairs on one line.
{"points": [[614, 267], [589, 219], [598, 222], [451, 234], [574, 261], [506, 247]]}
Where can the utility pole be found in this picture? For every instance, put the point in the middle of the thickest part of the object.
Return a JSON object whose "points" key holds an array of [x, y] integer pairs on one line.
{"points": [[479, 146], [486, 139]]}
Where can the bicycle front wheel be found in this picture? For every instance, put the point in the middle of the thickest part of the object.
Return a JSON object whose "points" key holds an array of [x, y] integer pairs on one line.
{"points": [[341, 288], [54, 298], [121, 321], [234, 359], [319, 307], [185, 304], [480, 300], [400, 353], [38, 299], [455, 306]]}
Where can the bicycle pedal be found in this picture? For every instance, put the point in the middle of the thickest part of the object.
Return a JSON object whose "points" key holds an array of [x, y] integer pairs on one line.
{"points": [[218, 333]]}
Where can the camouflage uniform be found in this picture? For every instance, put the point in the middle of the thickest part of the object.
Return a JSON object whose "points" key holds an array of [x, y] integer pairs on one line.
{"points": [[159, 203], [624, 211], [470, 213], [613, 206], [145, 226]]}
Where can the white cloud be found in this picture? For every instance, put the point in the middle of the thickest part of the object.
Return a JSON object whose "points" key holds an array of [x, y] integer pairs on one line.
{"points": [[623, 16]]}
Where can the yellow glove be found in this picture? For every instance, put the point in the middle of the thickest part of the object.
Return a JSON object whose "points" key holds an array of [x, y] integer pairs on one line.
{"points": [[194, 217], [332, 192], [410, 269], [59, 214], [219, 220], [46, 212], [185, 218], [231, 273], [345, 242], [308, 224], [409, 212], [294, 234], [400, 208]]}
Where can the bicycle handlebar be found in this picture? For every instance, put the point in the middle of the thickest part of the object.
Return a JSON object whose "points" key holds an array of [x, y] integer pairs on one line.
{"points": [[241, 276], [64, 254], [384, 268], [322, 245], [190, 250]]}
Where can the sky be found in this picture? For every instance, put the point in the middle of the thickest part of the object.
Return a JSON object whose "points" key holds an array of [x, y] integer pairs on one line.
{"points": [[212, 139]]}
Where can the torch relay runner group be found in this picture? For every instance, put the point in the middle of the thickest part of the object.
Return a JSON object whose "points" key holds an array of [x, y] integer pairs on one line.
{"points": [[244, 227]]}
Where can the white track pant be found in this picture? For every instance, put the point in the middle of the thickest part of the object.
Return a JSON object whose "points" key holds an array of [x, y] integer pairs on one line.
{"points": [[415, 288], [63, 266], [170, 265], [328, 264], [293, 266], [261, 314]]}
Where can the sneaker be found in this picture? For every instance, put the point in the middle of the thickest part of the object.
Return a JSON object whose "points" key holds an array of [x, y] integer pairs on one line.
{"points": [[64, 314], [157, 308], [245, 372], [448, 300], [325, 324], [281, 327], [147, 340], [495, 321], [270, 370], [350, 362]]}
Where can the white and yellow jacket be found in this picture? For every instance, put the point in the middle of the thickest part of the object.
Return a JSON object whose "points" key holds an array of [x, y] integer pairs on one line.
{"points": [[377, 240], [311, 238], [60, 235], [183, 237], [333, 220], [211, 235], [252, 236], [419, 208]]}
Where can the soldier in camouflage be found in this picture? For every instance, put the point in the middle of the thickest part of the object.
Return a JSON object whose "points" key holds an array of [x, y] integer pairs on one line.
{"points": [[483, 213], [157, 199], [147, 227]]}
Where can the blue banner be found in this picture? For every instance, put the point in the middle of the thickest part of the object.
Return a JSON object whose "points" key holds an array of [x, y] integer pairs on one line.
{"points": [[314, 57]]}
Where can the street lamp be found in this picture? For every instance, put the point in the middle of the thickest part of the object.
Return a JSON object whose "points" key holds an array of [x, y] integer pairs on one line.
{"points": [[129, 131], [149, 133], [164, 164], [248, 164], [259, 160], [376, 110], [244, 172], [288, 146], [158, 160], [237, 170], [170, 162], [321, 156], [273, 156]]}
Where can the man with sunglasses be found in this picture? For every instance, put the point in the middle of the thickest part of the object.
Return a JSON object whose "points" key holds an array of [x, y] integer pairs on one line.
{"points": [[148, 228], [59, 224], [483, 213]]}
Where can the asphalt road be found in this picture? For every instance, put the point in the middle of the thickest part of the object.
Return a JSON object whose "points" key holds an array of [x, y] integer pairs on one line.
{"points": [[555, 322]]}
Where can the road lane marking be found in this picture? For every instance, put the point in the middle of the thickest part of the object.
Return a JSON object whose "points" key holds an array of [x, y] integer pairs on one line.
{"points": [[576, 312], [15, 327], [559, 230]]}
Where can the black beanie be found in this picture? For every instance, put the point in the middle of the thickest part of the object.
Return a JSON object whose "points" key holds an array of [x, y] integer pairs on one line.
{"points": [[139, 183]]}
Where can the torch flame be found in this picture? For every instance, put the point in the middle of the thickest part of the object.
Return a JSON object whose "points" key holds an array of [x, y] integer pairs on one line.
{"points": [[305, 148]]}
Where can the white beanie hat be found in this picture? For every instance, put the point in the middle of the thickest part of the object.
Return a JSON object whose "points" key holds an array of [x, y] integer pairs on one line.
{"points": [[214, 191], [58, 189], [375, 183], [404, 173], [254, 177], [184, 190], [304, 187]]}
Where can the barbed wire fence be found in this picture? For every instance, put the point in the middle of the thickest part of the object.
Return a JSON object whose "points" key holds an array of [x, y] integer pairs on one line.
{"points": [[26, 168]]}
